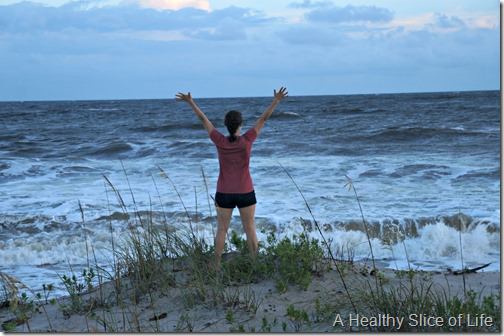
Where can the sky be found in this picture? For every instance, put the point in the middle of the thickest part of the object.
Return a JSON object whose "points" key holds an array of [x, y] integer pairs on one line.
{"points": [[140, 49]]}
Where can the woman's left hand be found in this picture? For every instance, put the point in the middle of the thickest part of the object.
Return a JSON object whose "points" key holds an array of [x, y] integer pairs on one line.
{"points": [[184, 97]]}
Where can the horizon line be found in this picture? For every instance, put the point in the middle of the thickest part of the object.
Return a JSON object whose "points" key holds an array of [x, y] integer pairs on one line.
{"points": [[238, 97]]}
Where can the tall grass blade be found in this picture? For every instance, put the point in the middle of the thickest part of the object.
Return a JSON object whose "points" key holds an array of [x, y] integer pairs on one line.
{"points": [[462, 254], [163, 174], [323, 238], [208, 199], [132, 195], [351, 185], [116, 270], [85, 232], [118, 195]]}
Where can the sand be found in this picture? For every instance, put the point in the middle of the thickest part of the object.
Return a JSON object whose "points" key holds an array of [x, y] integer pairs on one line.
{"points": [[265, 309]]}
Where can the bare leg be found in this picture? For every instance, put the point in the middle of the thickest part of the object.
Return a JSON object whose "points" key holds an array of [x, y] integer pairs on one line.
{"points": [[223, 219], [247, 217]]}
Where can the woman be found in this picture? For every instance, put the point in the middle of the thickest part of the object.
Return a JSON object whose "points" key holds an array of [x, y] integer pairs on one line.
{"points": [[234, 186]]}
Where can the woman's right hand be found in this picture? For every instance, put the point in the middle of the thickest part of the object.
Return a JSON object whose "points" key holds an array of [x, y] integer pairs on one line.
{"points": [[280, 94], [184, 97]]}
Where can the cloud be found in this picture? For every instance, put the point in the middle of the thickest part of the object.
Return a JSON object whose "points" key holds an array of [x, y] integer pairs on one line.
{"points": [[485, 22], [227, 30], [310, 4], [312, 35], [175, 4], [350, 14], [30, 17], [416, 22], [382, 48], [444, 21], [397, 52]]}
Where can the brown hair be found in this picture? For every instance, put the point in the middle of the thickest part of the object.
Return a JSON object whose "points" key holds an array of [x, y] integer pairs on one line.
{"points": [[233, 120]]}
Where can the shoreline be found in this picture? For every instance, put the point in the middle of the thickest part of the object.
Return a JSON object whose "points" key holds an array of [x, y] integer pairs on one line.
{"points": [[382, 232]]}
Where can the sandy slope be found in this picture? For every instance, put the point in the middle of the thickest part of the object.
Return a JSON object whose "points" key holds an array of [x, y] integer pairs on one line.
{"points": [[176, 312]]}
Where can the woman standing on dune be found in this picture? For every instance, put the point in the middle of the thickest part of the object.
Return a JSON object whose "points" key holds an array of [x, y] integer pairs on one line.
{"points": [[234, 186]]}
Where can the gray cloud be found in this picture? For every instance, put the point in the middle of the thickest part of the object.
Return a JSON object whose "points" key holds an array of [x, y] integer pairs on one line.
{"points": [[444, 21], [226, 30], [30, 17], [312, 35], [388, 50], [350, 13], [310, 4]]}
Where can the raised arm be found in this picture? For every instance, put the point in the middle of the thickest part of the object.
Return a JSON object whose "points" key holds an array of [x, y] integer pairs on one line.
{"points": [[277, 97], [188, 99]]}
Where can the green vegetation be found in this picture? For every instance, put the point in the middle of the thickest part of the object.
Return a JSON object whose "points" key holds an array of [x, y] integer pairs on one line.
{"points": [[420, 296], [298, 317], [294, 261], [289, 261]]}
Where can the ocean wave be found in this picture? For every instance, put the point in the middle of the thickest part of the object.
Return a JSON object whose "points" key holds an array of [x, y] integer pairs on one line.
{"points": [[79, 169], [412, 169], [12, 137], [71, 171], [285, 115], [27, 149], [394, 230], [103, 109], [402, 134], [4, 166], [478, 174], [33, 225], [145, 152], [358, 110], [165, 128], [49, 241], [429, 171], [372, 173], [18, 224], [186, 145], [112, 149]]}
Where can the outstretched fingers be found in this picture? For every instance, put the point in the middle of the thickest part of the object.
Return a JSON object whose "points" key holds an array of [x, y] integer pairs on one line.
{"points": [[182, 96], [281, 93]]}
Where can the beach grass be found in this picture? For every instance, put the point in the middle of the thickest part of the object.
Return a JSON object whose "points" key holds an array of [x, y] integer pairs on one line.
{"points": [[164, 280]]}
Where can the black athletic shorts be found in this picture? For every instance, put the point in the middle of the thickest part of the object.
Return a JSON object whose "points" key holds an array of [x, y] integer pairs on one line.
{"points": [[229, 201]]}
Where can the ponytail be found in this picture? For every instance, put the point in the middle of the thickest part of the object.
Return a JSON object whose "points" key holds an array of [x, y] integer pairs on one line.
{"points": [[233, 121]]}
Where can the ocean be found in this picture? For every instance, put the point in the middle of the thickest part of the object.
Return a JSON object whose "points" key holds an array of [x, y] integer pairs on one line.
{"points": [[418, 162]]}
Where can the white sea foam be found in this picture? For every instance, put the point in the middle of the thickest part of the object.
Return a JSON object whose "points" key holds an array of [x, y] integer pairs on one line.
{"points": [[322, 180]]}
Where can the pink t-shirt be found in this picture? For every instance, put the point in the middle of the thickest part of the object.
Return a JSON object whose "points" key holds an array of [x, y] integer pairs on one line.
{"points": [[234, 157]]}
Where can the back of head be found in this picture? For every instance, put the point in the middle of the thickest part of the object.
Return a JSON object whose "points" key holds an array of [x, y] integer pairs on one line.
{"points": [[233, 121]]}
